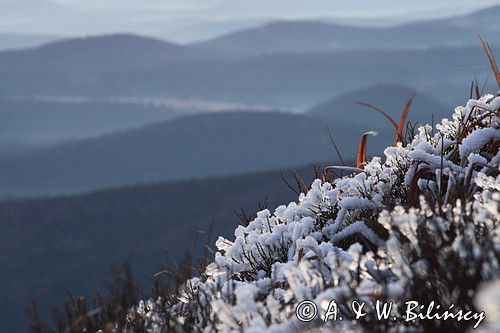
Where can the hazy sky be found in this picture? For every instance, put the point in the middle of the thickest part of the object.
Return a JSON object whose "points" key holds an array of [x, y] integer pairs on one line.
{"points": [[184, 20]]}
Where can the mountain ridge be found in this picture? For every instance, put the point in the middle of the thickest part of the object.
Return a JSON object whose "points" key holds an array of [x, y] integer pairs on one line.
{"points": [[390, 98], [320, 35], [218, 144]]}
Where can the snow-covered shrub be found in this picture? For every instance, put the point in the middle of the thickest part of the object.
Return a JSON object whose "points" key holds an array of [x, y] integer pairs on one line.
{"points": [[420, 224]]}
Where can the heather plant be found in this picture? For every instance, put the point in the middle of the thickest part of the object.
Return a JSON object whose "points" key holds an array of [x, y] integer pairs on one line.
{"points": [[420, 225]]}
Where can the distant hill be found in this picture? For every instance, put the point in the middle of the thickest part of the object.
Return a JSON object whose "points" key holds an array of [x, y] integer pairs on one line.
{"points": [[314, 36], [193, 146], [212, 145], [483, 18], [280, 80], [40, 122], [48, 246], [344, 109], [96, 54], [304, 62], [20, 41], [389, 98]]}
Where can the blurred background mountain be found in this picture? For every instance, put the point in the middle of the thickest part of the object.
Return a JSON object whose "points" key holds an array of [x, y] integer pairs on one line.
{"points": [[129, 128]]}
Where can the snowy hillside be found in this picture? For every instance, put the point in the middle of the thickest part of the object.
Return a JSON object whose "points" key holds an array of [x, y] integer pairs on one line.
{"points": [[420, 224]]}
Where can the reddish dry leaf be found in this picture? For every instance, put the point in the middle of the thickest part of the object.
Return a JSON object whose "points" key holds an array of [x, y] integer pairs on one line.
{"points": [[361, 158], [402, 121]]}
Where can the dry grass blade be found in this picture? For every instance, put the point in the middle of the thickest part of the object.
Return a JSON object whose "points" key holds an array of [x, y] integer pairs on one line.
{"points": [[361, 158], [335, 145], [300, 181], [381, 112], [491, 58], [413, 191], [402, 121], [300, 254], [344, 168], [385, 115], [349, 169]]}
